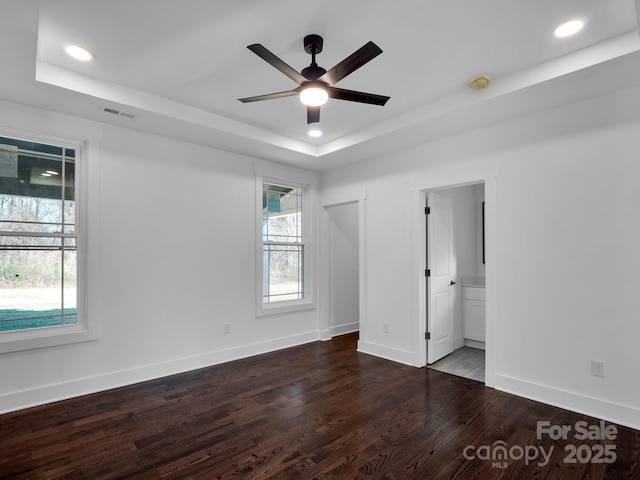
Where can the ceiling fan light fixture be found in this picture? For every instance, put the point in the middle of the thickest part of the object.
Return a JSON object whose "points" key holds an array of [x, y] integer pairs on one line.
{"points": [[316, 84], [314, 95]]}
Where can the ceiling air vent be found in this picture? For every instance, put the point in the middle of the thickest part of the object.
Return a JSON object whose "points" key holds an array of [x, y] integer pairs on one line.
{"points": [[119, 113]]}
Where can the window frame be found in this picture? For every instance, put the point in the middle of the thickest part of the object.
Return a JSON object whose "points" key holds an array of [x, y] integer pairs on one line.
{"points": [[284, 306], [33, 338]]}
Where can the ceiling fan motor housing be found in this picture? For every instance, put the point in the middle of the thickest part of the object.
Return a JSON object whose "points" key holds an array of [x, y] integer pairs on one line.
{"points": [[313, 72]]}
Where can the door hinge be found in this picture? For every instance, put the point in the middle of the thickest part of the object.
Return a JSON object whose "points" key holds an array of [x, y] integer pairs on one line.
{"points": [[427, 272], [427, 210], [427, 336]]}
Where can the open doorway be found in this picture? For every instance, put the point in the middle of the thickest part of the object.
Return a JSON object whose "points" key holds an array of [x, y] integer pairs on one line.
{"points": [[344, 268], [455, 286]]}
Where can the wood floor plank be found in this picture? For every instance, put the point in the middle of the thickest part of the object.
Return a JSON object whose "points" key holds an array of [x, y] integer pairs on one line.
{"points": [[318, 411]]}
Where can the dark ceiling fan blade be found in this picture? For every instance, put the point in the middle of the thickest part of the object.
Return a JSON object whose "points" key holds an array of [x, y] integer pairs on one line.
{"points": [[313, 114], [271, 59], [350, 64], [270, 96], [353, 96]]}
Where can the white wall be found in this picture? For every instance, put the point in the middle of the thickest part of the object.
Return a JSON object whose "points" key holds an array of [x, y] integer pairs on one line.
{"points": [[566, 234], [343, 268], [172, 257]]}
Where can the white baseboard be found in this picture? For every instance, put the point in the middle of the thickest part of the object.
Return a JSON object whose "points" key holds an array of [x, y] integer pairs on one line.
{"points": [[13, 401], [458, 342], [388, 353], [342, 329], [599, 408], [474, 344]]}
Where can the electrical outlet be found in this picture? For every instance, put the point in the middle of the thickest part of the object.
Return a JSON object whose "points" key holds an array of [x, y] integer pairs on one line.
{"points": [[385, 327], [597, 368], [226, 328]]}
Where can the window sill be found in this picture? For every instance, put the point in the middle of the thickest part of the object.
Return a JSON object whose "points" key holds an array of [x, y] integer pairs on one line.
{"points": [[42, 337], [264, 310]]}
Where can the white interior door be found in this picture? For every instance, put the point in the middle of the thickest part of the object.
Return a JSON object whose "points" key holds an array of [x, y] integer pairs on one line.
{"points": [[440, 263]]}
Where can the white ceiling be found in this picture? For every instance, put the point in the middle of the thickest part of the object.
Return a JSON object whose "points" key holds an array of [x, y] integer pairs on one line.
{"points": [[180, 66]]}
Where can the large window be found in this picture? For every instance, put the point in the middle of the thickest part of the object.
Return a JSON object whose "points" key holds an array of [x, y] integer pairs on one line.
{"points": [[38, 237], [283, 243]]}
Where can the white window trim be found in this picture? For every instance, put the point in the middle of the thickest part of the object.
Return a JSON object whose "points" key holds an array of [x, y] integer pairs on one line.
{"points": [[18, 340], [307, 183]]}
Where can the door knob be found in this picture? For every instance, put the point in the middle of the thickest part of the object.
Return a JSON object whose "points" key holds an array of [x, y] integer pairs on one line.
{"points": [[452, 283]]}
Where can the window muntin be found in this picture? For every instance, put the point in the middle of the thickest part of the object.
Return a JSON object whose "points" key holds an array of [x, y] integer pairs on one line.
{"points": [[283, 248], [38, 242]]}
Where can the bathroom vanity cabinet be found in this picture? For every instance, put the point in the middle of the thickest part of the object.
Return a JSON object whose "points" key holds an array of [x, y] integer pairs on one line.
{"points": [[474, 311]]}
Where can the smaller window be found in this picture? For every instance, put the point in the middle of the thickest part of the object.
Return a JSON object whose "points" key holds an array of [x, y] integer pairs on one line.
{"points": [[283, 246]]}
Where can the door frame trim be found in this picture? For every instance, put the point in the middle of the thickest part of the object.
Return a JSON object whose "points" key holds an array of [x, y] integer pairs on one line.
{"points": [[487, 173]]}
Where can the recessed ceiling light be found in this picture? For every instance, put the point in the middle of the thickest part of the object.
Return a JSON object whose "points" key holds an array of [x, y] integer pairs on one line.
{"points": [[315, 133], [79, 53], [568, 28]]}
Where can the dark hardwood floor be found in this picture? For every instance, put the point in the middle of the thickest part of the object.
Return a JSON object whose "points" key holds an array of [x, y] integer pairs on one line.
{"points": [[311, 412]]}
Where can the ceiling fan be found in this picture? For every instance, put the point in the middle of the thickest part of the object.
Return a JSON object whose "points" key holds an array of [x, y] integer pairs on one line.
{"points": [[316, 83]]}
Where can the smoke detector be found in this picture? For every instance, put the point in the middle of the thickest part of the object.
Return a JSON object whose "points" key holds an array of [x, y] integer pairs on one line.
{"points": [[480, 83]]}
